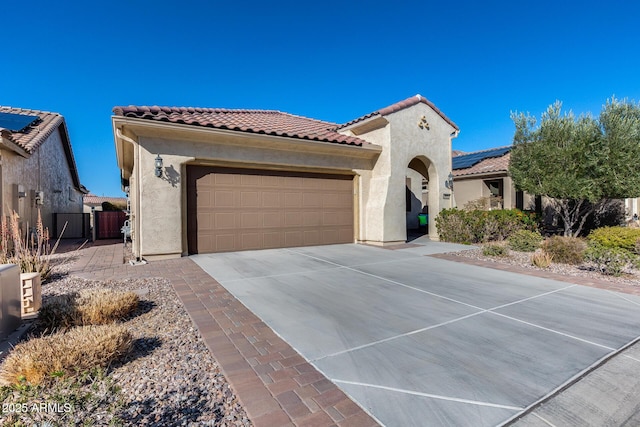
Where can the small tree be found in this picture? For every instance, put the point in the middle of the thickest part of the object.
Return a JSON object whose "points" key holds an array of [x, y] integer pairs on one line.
{"points": [[580, 163]]}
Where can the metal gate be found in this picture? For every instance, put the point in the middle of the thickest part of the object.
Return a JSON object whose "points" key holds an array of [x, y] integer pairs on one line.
{"points": [[77, 225]]}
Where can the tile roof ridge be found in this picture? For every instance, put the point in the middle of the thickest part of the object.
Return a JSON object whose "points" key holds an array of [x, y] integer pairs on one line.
{"points": [[400, 105], [166, 109]]}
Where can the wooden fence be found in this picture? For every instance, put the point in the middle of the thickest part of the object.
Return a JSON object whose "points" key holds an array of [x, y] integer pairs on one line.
{"points": [[108, 224]]}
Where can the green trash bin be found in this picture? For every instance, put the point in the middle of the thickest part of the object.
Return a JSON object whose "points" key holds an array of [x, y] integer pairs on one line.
{"points": [[423, 220]]}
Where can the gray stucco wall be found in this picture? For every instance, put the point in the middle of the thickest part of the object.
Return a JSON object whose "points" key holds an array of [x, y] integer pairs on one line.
{"points": [[46, 170]]}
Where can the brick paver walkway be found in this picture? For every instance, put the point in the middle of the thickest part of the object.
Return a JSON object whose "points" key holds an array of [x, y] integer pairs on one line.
{"points": [[274, 384]]}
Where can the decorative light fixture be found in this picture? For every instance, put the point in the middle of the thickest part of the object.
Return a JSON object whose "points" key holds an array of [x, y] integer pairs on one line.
{"points": [[449, 182], [158, 166]]}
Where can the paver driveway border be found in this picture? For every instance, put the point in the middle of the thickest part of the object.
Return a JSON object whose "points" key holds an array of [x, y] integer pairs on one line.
{"points": [[266, 272]]}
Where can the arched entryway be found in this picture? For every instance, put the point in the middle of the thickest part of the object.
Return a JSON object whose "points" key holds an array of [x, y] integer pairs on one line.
{"points": [[419, 189]]}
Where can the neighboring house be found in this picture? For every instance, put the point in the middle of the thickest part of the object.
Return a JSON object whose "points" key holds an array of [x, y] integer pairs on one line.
{"points": [[37, 168], [485, 174], [229, 180], [92, 203]]}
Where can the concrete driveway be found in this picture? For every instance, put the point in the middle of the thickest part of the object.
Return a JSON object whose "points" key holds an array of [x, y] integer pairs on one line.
{"points": [[420, 341]]}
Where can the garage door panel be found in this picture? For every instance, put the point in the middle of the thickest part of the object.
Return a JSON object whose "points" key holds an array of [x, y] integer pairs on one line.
{"points": [[312, 200], [250, 220], [293, 200], [271, 199], [216, 179], [293, 219], [250, 200], [273, 240], [223, 242], [233, 209], [293, 238], [272, 219], [223, 199], [223, 221], [250, 180], [311, 219], [250, 241]]}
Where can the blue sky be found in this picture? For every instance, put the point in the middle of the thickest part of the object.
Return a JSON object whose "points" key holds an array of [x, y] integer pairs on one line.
{"points": [[330, 60]]}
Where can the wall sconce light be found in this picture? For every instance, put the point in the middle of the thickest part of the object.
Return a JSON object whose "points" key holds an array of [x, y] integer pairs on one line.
{"points": [[158, 166], [449, 182]]}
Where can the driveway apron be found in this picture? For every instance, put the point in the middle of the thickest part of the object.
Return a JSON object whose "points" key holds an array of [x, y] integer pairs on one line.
{"points": [[417, 340]]}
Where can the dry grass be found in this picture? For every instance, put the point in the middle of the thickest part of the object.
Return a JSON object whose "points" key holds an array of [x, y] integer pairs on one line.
{"points": [[541, 259], [31, 251], [41, 360], [87, 307]]}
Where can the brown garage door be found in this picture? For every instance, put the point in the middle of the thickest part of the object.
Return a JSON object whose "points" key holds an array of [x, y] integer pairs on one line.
{"points": [[240, 209]]}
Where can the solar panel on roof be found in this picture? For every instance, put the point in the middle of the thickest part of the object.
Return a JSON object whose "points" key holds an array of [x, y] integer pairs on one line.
{"points": [[468, 160], [16, 122]]}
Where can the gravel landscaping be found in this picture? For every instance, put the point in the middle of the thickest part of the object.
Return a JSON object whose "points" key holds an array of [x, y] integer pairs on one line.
{"points": [[169, 378], [523, 260]]}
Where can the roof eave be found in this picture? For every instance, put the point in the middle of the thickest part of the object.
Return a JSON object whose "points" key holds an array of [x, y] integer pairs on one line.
{"points": [[146, 127]]}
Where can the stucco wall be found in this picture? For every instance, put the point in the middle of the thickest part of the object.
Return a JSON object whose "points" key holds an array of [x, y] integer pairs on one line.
{"points": [[46, 170], [467, 190], [471, 189]]}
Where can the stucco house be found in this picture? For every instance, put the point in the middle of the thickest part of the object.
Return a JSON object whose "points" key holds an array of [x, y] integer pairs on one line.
{"points": [[37, 170], [211, 180], [485, 174]]}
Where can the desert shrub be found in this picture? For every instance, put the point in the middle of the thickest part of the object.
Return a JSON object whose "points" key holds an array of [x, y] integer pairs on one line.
{"points": [[637, 247], [115, 206], [525, 240], [541, 259], [610, 260], [477, 226], [30, 250], [493, 249], [565, 250], [42, 360], [87, 307], [616, 237]]}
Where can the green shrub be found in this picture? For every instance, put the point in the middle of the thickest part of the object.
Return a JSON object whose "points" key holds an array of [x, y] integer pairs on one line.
{"points": [[462, 226], [525, 240], [616, 237], [610, 261], [493, 249], [565, 250]]}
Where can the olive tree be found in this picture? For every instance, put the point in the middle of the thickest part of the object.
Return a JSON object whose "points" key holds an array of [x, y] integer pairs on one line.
{"points": [[580, 163]]}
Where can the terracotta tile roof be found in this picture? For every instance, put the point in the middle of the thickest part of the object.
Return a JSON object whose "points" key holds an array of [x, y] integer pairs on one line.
{"points": [[489, 165], [267, 122], [35, 134], [92, 199], [400, 106]]}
